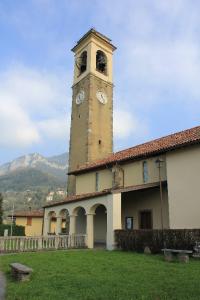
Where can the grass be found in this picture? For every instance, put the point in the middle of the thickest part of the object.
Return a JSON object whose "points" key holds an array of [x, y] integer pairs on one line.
{"points": [[102, 275]]}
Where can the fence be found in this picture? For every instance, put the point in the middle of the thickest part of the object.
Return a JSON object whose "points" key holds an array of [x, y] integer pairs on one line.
{"points": [[38, 243]]}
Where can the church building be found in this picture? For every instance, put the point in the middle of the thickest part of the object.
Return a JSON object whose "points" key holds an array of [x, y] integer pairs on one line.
{"points": [[154, 185]]}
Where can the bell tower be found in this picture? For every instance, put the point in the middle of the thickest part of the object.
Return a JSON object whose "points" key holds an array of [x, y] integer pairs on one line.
{"points": [[91, 134]]}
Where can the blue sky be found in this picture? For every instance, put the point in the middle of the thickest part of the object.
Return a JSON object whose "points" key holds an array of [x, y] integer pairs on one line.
{"points": [[156, 69]]}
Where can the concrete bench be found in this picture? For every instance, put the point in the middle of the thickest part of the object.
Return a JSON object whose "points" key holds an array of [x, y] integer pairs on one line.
{"points": [[197, 250], [183, 255], [20, 272]]}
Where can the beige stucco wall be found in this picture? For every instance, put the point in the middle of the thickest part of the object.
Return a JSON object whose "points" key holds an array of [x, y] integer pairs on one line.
{"points": [[183, 172], [86, 183], [31, 230], [133, 175], [134, 202], [133, 172]]}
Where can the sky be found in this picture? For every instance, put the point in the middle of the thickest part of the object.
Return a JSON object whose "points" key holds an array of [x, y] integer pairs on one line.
{"points": [[156, 69]]}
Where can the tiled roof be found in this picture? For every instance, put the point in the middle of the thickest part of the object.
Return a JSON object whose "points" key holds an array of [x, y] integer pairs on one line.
{"points": [[28, 213], [78, 198], [158, 146]]}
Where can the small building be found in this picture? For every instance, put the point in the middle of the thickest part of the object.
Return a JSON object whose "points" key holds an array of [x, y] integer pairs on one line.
{"points": [[32, 220]]}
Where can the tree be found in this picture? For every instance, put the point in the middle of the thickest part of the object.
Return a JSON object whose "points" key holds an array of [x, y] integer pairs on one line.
{"points": [[1, 208]]}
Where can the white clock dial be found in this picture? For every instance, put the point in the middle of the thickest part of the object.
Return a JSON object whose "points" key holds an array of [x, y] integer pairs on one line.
{"points": [[101, 96], [80, 97]]}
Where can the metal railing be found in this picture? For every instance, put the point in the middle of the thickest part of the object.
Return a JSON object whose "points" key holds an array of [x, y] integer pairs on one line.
{"points": [[36, 243]]}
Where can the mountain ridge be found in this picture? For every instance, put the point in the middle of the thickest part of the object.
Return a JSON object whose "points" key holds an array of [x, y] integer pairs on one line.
{"points": [[54, 165]]}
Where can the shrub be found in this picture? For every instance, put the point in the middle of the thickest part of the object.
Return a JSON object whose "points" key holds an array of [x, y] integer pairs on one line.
{"points": [[137, 240], [16, 230]]}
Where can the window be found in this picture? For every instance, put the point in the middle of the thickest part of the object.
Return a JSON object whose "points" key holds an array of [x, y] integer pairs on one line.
{"points": [[145, 172], [97, 182], [129, 223], [101, 62], [29, 221], [146, 219]]}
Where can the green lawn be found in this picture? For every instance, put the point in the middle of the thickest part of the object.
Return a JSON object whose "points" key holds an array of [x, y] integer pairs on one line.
{"points": [[102, 275]]}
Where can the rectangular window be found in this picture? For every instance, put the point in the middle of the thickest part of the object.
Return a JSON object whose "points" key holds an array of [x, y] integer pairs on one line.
{"points": [[96, 181], [145, 172], [129, 223], [146, 219], [29, 221]]}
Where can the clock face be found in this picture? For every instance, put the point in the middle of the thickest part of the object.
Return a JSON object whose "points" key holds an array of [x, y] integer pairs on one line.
{"points": [[80, 97], [102, 97]]}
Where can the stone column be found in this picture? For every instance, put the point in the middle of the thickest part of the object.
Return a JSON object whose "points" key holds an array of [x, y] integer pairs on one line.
{"points": [[58, 225], [72, 224], [72, 230], [46, 225], [113, 219], [90, 230]]}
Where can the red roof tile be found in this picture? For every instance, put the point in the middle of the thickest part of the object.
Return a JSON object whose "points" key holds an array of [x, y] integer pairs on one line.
{"points": [[28, 213], [158, 146], [74, 198]]}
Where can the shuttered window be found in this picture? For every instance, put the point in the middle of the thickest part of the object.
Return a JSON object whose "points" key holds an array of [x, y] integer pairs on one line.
{"points": [[29, 221]]}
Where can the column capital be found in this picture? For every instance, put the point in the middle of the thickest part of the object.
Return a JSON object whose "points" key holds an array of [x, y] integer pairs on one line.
{"points": [[73, 215], [90, 214]]}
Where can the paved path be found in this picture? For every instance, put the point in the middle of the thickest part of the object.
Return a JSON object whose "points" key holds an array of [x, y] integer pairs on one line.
{"points": [[2, 286]]}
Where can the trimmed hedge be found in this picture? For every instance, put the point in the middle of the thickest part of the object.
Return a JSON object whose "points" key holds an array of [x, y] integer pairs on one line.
{"points": [[16, 230], [137, 240]]}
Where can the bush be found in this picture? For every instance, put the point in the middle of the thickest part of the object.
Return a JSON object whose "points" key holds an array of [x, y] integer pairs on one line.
{"points": [[16, 230], [137, 240]]}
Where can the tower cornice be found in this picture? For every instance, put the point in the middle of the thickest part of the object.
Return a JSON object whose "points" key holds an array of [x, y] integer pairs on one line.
{"points": [[93, 33]]}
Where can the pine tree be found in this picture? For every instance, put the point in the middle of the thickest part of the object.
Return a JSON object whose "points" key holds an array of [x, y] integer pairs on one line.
{"points": [[1, 208]]}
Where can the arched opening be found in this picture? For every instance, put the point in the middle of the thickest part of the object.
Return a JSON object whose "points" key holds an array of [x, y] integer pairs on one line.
{"points": [[101, 62], [100, 226], [81, 62], [52, 222], [64, 221], [80, 220]]}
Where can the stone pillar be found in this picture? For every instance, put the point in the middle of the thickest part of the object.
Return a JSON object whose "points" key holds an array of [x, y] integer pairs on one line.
{"points": [[72, 224], [72, 230], [46, 225], [90, 230], [58, 225], [113, 219]]}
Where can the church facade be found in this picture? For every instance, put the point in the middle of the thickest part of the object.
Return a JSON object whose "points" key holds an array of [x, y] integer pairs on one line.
{"points": [[150, 186]]}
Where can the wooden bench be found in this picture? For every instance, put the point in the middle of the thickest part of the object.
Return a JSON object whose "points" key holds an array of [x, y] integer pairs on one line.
{"points": [[183, 255], [20, 272]]}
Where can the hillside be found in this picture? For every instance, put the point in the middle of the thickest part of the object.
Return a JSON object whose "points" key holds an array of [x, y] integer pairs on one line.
{"points": [[29, 179], [55, 165]]}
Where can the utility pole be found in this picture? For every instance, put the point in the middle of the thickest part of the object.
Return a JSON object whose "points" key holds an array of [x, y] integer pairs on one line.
{"points": [[12, 218]]}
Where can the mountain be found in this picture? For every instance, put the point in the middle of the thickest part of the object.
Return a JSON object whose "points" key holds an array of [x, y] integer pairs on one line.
{"points": [[29, 179], [55, 165], [34, 170]]}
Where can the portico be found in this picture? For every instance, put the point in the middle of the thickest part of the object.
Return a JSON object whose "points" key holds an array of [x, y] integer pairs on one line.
{"points": [[94, 215]]}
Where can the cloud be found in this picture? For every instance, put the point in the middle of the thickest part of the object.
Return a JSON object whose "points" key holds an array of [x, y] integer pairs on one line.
{"points": [[32, 107], [126, 124], [17, 130], [55, 128]]}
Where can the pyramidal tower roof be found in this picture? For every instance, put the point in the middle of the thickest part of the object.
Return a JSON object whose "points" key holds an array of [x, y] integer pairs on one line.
{"points": [[94, 32]]}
